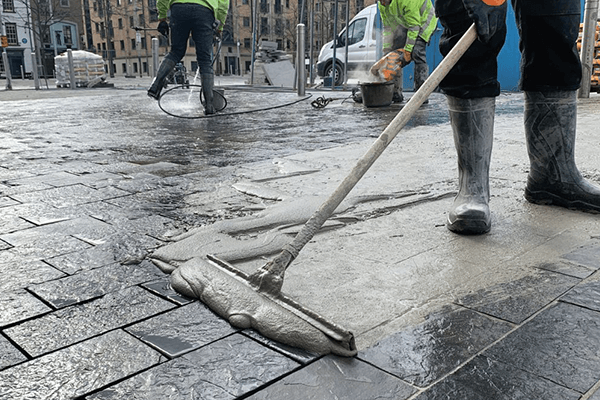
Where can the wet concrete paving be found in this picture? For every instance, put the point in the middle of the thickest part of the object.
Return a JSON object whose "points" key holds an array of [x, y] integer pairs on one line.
{"points": [[94, 183]]}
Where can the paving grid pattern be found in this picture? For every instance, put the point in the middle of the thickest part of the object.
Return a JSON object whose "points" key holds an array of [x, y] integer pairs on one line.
{"points": [[84, 315]]}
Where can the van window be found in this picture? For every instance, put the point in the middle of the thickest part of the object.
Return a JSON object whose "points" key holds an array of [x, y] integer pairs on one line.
{"points": [[356, 33]]}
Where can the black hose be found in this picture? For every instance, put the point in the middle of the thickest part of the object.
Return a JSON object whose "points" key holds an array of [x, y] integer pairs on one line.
{"points": [[185, 86]]}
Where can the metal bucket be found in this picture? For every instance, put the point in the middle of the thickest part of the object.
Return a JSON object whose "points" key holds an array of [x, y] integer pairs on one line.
{"points": [[377, 94]]}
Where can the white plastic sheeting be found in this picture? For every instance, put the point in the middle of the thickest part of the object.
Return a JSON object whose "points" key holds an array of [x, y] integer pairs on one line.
{"points": [[88, 68]]}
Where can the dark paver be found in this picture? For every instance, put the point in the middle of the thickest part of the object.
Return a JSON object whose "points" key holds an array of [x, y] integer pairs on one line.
{"points": [[518, 300], [19, 305], [9, 354], [586, 294], [162, 287], [225, 369], [483, 378], [337, 378], [182, 330], [95, 283], [18, 273], [76, 323], [79, 369], [588, 255], [427, 352], [561, 344], [567, 268]]}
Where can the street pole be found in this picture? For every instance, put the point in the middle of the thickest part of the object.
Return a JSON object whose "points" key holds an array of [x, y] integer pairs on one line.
{"points": [[5, 57], [300, 69], [590, 21], [254, 18]]}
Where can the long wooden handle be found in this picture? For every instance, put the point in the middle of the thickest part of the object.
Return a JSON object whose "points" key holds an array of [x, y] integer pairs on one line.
{"points": [[278, 265]]}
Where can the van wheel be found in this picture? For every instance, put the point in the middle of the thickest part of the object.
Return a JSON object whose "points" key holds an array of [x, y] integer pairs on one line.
{"points": [[339, 73]]}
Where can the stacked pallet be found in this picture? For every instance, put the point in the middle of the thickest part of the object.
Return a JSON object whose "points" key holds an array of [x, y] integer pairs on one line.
{"points": [[88, 69], [595, 84]]}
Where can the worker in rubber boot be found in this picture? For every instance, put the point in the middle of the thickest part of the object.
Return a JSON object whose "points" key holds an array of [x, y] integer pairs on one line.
{"points": [[550, 76], [407, 28], [198, 17]]}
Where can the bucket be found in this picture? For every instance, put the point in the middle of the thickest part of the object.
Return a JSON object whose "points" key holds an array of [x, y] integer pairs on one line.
{"points": [[377, 94]]}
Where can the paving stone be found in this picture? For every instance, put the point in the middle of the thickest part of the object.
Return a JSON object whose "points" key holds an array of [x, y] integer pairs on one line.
{"points": [[95, 283], [19, 189], [56, 179], [68, 196], [18, 273], [19, 305], [483, 378], [595, 396], [561, 344], [157, 226], [9, 354], [518, 300], [86, 229], [182, 330], [302, 356], [9, 223], [427, 352], [162, 287], [76, 323], [6, 201], [225, 369], [567, 268], [337, 378], [4, 245], [79, 369], [585, 294], [49, 246], [86, 259], [588, 255]]}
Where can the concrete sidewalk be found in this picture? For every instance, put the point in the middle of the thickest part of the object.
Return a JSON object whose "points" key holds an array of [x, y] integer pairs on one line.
{"points": [[87, 201]]}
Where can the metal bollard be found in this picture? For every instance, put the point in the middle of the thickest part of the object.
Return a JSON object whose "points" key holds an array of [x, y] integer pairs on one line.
{"points": [[300, 69], [7, 71], [72, 82], [155, 63], [587, 46], [34, 71]]}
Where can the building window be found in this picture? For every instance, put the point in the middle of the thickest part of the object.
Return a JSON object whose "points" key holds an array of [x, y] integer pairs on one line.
{"points": [[244, 1], [145, 67], [264, 26], [131, 21], [97, 27], [153, 10], [67, 34], [120, 23], [8, 6], [143, 44], [122, 43], [132, 44], [124, 68], [11, 34], [246, 21], [64, 3], [142, 20]]}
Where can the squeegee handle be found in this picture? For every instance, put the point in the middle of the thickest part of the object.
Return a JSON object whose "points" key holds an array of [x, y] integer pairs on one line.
{"points": [[364, 163]]}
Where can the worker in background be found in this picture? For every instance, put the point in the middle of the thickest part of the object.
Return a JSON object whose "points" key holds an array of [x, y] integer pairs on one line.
{"points": [[550, 76], [407, 28], [201, 18]]}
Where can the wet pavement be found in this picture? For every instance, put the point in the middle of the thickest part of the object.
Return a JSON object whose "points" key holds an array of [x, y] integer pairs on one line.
{"points": [[94, 183]]}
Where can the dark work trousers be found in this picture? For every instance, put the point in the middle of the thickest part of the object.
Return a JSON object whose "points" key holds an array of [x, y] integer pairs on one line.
{"points": [[548, 31], [198, 20]]}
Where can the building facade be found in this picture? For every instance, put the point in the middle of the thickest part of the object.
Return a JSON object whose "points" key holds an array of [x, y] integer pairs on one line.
{"points": [[15, 21]]}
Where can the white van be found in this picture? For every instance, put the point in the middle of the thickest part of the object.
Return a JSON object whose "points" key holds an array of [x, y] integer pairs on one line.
{"points": [[362, 50]]}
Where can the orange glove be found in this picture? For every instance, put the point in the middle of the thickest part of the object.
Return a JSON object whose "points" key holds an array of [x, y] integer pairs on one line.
{"points": [[389, 66]]}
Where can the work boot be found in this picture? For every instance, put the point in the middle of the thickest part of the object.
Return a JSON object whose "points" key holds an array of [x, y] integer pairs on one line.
{"points": [[208, 82], [472, 121], [166, 66], [550, 125], [398, 83], [421, 74]]}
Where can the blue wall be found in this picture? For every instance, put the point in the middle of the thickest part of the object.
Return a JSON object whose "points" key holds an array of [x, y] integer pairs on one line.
{"points": [[508, 59]]}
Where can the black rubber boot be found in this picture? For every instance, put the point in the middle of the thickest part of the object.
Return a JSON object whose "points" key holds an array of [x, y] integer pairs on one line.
{"points": [[398, 84], [208, 82], [166, 66], [472, 121], [550, 127], [421, 74]]}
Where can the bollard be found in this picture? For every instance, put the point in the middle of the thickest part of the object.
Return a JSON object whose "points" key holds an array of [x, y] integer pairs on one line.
{"points": [[72, 83], [7, 70], [300, 69], [155, 64], [587, 46], [34, 71]]}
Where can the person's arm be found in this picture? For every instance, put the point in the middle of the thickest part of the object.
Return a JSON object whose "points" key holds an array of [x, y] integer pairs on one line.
{"points": [[162, 6], [221, 12]]}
